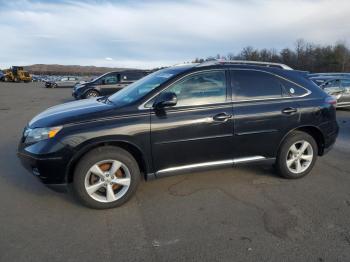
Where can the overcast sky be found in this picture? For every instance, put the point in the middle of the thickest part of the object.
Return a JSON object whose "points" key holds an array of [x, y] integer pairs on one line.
{"points": [[146, 34]]}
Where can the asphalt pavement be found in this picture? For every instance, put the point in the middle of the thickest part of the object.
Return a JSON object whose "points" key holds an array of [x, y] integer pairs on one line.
{"points": [[239, 214]]}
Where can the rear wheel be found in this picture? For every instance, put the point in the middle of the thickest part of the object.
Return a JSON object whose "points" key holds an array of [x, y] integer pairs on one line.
{"points": [[92, 94], [106, 177], [297, 155]]}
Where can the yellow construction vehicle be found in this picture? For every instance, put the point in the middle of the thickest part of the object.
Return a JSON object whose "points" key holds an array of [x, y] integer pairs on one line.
{"points": [[17, 74]]}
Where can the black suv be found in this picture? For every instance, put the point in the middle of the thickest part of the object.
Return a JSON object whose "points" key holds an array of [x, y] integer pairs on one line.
{"points": [[178, 119], [107, 84]]}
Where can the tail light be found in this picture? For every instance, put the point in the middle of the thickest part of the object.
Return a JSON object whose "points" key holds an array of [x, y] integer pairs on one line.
{"points": [[331, 100]]}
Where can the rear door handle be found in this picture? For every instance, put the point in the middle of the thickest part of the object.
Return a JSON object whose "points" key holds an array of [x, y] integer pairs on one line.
{"points": [[289, 110], [222, 117]]}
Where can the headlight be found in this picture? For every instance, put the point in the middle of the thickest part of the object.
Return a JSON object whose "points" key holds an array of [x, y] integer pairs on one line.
{"points": [[38, 134]]}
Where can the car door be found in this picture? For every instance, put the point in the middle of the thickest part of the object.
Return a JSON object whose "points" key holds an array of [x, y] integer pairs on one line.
{"points": [[263, 113], [345, 97], [62, 82], [110, 84], [71, 81], [197, 132]]}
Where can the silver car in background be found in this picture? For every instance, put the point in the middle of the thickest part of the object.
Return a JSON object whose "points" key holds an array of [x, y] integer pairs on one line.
{"points": [[67, 81], [338, 87]]}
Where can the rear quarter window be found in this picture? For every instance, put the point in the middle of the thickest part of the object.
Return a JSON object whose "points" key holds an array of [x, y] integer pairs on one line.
{"points": [[293, 89]]}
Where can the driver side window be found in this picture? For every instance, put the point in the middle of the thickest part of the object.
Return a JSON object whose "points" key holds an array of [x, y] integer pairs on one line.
{"points": [[201, 89], [110, 80]]}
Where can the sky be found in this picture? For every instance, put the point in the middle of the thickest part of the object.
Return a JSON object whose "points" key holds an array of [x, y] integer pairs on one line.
{"points": [[152, 33]]}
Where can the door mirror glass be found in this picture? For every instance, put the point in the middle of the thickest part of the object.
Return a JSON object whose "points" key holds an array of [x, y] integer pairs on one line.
{"points": [[165, 100]]}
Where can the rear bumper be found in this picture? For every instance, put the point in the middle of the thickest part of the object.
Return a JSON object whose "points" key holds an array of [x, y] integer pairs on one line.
{"points": [[330, 138]]}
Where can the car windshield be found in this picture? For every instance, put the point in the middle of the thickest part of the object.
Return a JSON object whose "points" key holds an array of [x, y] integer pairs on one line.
{"points": [[142, 87], [99, 77]]}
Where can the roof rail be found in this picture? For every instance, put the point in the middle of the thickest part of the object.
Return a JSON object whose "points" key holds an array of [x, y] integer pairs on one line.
{"points": [[244, 62]]}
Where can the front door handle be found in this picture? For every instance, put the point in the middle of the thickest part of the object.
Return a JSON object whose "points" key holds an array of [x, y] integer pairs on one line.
{"points": [[222, 117], [289, 110]]}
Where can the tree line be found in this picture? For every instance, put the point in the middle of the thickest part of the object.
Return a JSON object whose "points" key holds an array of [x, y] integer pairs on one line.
{"points": [[305, 56]]}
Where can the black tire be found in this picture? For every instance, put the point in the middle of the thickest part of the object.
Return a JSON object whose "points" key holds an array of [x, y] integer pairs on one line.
{"points": [[91, 94], [95, 156], [54, 85], [281, 160]]}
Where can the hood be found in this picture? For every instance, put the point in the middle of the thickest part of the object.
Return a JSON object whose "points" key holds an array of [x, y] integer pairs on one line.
{"points": [[71, 112]]}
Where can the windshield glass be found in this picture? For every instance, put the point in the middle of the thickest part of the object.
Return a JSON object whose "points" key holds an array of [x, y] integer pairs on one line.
{"points": [[142, 87]]}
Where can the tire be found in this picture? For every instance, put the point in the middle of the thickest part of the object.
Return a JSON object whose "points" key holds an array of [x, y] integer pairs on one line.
{"points": [[296, 162], [92, 94], [104, 158], [54, 85]]}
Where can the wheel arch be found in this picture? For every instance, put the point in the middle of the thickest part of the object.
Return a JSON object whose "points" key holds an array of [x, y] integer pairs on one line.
{"points": [[134, 150], [313, 131], [91, 88]]}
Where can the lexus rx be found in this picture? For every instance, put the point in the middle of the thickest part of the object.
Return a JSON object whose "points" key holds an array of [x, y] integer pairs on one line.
{"points": [[178, 119]]}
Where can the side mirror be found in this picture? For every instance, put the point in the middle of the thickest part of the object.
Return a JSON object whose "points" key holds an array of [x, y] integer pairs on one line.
{"points": [[165, 100]]}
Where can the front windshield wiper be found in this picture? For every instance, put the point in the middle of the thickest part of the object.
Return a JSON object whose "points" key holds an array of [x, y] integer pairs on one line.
{"points": [[104, 99]]}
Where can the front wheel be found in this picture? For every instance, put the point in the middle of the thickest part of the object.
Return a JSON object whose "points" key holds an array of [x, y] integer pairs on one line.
{"points": [[106, 177], [92, 94], [297, 155]]}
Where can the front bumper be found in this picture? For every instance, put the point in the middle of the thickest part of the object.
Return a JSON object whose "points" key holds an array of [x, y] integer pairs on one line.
{"points": [[77, 94], [49, 169]]}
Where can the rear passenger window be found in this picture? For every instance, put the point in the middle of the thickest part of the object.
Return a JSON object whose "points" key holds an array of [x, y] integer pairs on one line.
{"points": [[248, 84]]}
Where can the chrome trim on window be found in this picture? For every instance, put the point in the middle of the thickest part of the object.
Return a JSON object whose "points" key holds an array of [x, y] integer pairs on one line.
{"points": [[142, 106], [308, 92]]}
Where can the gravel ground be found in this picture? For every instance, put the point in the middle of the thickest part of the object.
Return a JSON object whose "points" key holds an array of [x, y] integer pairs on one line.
{"points": [[240, 214]]}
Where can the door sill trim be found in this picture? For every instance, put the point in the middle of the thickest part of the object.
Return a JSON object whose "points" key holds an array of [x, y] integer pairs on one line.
{"points": [[198, 166]]}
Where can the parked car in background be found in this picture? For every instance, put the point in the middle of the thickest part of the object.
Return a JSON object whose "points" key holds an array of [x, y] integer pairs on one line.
{"points": [[107, 84], [2, 76], [339, 87], [68, 81], [188, 117]]}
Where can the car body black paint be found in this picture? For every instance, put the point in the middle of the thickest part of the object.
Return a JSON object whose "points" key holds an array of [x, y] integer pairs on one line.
{"points": [[179, 136]]}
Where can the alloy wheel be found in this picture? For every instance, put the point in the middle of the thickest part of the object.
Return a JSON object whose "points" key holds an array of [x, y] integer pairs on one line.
{"points": [[107, 181], [299, 157], [91, 95]]}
